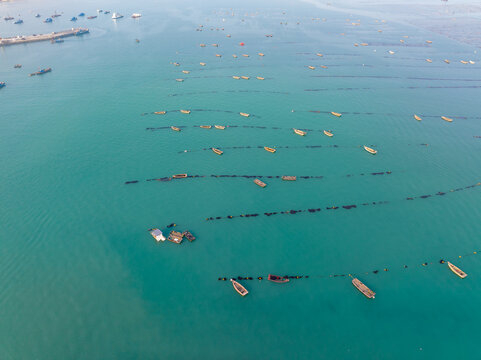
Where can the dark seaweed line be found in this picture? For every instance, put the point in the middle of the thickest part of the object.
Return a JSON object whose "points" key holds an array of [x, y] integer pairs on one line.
{"points": [[390, 77], [335, 207], [402, 87], [230, 91], [192, 110], [230, 126], [330, 276], [167, 178], [387, 114]]}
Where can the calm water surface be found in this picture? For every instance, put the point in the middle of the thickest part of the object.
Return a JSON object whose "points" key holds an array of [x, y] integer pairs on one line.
{"points": [[81, 278]]}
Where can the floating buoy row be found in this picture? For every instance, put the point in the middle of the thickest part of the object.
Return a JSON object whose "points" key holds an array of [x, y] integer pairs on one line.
{"points": [[304, 177], [183, 111], [290, 147], [330, 276], [335, 207]]}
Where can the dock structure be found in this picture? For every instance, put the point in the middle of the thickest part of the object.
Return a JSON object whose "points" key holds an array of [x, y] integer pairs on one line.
{"points": [[42, 37]]}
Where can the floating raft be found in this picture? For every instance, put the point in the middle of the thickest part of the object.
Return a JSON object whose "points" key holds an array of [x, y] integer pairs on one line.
{"points": [[363, 288], [457, 270], [289, 178], [175, 237], [157, 234], [260, 183], [188, 235]]}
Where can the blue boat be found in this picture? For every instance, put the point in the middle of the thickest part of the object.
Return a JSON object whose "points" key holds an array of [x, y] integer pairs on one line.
{"points": [[2, 84], [73, 19], [19, 21], [81, 14], [59, 40], [48, 20], [37, 15]]}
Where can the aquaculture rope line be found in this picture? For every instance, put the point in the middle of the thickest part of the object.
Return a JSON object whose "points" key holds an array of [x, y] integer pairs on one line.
{"points": [[336, 207]]}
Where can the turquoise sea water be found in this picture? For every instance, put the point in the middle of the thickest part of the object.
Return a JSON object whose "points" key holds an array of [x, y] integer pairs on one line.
{"points": [[81, 278]]}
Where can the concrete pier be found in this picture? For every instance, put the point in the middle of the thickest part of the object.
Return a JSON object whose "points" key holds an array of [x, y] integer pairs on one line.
{"points": [[42, 37]]}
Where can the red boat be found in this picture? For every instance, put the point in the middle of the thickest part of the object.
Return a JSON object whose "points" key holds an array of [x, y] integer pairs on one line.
{"points": [[278, 279]]}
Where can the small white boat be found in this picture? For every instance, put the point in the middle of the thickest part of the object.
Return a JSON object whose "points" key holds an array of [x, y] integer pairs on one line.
{"points": [[457, 270], [135, 15], [157, 234], [239, 288], [116, 16]]}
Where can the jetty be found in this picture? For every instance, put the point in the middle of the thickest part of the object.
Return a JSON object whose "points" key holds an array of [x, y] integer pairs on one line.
{"points": [[42, 37]]}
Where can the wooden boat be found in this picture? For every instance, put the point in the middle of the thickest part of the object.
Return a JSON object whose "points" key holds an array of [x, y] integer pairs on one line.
{"points": [[176, 64], [429, 42], [269, 149], [179, 80], [160, 112], [239, 288], [188, 235], [259, 78], [447, 61], [402, 41], [157, 234], [202, 45], [311, 67], [245, 77], [429, 60], [320, 55], [328, 133], [218, 55], [300, 132], [205, 126], [215, 45], [324, 66], [289, 178], [41, 72], [179, 176], [220, 127], [260, 54], [356, 44], [369, 150], [457, 270], [363, 288], [245, 55], [417, 117], [175, 128], [260, 183], [186, 71], [202, 64], [364, 44], [391, 52], [463, 62], [472, 62], [217, 151], [336, 114], [185, 111], [244, 114], [236, 77], [278, 279], [446, 119], [17, 66], [234, 56], [175, 237]]}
